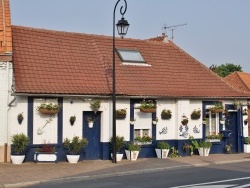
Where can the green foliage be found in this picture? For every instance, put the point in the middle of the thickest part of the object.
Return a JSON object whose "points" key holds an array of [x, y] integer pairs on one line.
{"points": [[20, 143], [166, 112], [48, 106], [46, 148], [76, 145], [174, 153], [247, 140], [225, 69], [145, 104], [133, 147], [215, 136], [95, 104], [163, 145], [195, 144], [143, 139], [205, 144], [120, 143], [121, 111]]}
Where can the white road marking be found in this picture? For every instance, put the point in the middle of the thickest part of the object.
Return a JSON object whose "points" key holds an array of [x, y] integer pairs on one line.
{"points": [[221, 181]]}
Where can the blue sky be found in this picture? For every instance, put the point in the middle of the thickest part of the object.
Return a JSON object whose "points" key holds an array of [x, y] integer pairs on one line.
{"points": [[217, 31]]}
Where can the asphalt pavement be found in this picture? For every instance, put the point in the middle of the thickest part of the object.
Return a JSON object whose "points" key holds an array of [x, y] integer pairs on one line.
{"points": [[30, 173]]}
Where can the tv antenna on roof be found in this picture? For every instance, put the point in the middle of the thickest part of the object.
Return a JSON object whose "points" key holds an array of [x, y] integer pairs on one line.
{"points": [[172, 28]]}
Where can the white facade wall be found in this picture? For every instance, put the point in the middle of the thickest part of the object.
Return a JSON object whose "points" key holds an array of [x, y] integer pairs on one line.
{"points": [[77, 108], [166, 129], [20, 105]]}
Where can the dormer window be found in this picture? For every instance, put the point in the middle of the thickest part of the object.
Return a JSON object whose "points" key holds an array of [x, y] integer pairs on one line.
{"points": [[130, 56]]}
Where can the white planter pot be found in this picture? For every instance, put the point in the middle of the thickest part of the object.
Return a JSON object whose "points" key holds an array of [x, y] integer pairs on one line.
{"points": [[119, 156], [17, 159], [45, 157], [73, 158], [204, 151], [91, 124], [162, 153], [132, 155], [246, 148]]}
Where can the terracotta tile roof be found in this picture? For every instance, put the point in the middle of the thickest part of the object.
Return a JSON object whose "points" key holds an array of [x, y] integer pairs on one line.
{"points": [[5, 29], [239, 81], [53, 62]]}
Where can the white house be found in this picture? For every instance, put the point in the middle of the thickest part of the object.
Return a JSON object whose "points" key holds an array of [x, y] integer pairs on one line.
{"points": [[73, 69]]}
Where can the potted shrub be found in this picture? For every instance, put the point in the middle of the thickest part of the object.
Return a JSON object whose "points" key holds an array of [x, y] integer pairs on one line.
{"points": [[204, 148], [95, 104], [121, 113], [72, 120], [166, 114], [147, 106], [196, 114], [162, 149], [74, 147], [120, 143], [132, 151], [46, 153], [247, 145], [48, 108], [20, 143], [20, 118]]}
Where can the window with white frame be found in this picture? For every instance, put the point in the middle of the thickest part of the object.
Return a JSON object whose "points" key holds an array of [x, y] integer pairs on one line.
{"points": [[212, 123]]}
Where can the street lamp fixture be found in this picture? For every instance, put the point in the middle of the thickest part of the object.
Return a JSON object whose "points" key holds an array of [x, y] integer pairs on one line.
{"points": [[122, 28]]}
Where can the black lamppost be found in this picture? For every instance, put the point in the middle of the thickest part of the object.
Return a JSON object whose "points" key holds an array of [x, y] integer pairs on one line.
{"points": [[122, 28]]}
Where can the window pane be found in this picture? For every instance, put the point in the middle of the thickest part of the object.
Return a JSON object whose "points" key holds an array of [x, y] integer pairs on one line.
{"points": [[137, 133], [130, 56], [145, 132]]}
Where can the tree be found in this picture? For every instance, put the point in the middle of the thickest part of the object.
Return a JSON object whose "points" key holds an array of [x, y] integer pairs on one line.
{"points": [[225, 69]]}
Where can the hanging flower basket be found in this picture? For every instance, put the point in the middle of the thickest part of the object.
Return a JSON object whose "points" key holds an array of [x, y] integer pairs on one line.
{"points": [[214, 110], [148, 110], [167, 116], [184, 120], [195, 116], [120, 116], [121, 113]]}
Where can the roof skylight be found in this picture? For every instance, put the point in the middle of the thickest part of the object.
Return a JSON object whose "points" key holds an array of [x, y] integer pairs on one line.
{"points": [[133, 56]]}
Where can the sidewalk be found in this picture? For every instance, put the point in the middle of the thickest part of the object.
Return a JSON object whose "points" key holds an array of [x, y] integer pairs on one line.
{"points": [[30, 173]]}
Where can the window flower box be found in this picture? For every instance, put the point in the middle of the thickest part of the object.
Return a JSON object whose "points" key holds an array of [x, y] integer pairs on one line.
{"points": [[45, 157], [145, 140], [48, 108], [213, 140], [148, 106]]}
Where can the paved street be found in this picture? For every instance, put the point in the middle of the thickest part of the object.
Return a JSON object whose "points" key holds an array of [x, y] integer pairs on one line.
{"points": [[224, 175], [32, 173]]}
